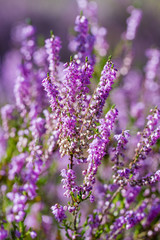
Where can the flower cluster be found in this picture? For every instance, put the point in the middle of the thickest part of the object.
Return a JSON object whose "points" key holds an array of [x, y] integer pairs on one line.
{"points": [[3, 233], [53, 46], [68, 181], [132, 22], [107, 79], [58, 212], [83, 42]]}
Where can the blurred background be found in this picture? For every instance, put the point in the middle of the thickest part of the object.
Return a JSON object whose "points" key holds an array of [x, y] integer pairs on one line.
{"points": [[59, 16]]}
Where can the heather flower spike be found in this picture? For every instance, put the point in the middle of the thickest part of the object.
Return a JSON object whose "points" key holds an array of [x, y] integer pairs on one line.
{"points": [[132, 22], [108, 76], [53, 46]]}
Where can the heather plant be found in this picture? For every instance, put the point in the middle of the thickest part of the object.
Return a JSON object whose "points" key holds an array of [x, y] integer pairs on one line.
{"points": [[78, 159]]}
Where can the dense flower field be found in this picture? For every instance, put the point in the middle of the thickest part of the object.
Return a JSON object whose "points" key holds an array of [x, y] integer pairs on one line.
{"points": [[79, 145]]}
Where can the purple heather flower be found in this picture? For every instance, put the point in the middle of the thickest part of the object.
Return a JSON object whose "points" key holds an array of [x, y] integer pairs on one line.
{"points": [[157, 175], [137, 111], [97, 149], [6, 114], [33, 234], [71, 81], [22, 32], [153, 119], [122, 140], [130, 218], [39, 57], [35, 108], [83, 43], [53, 46], [101, 46], [18, 234], [130, 194], [153, 212], [133, 220], [69, 124], [76, 78], [93, 221], [151, 71], [133, 22], [19, 204], [25, 34], [151, 179], [3, 233], [77, 75], [30, 188], [20, 216], [22, 94], [149, 136], [16, 165], [107, 79], [37, 128], [74, 101], [71, 209], [107, 124], [92, 198], [133, 80], [116, 227], [67, 134], [89, 9], [154, 137], [58, 212], [148, 180], [124, 173], [81, 25], [151, 66], [12, 60], [68, 181], [52, 93], [29, 177], [27, 49]]}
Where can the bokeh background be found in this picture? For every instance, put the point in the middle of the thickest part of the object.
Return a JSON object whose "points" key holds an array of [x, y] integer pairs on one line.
{"points": [[59, 16]]}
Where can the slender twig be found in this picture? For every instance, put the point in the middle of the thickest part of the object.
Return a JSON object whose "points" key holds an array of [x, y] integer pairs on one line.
{"points": [[75, 220], [71, 161]]}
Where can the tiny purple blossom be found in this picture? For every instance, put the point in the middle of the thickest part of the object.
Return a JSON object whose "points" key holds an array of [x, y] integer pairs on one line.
{"points": [[3, 233], [33, 234], [58, 212]]}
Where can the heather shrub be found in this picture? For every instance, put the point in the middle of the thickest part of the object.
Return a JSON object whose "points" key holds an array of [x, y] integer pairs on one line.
{"points": [[80, 142]]}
